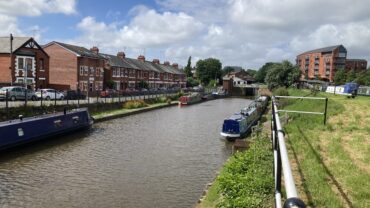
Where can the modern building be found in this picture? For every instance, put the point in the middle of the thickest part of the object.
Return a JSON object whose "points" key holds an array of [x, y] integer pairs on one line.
{"points": [[75, 67], [322, 63], [357, 65], [23, 60]]}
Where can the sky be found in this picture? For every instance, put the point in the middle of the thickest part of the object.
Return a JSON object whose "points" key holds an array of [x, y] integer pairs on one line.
{"points": [[246, 33]]}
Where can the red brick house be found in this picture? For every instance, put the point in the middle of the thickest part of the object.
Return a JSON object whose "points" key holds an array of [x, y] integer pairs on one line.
{"points": [[75, 67], [26, 56]]}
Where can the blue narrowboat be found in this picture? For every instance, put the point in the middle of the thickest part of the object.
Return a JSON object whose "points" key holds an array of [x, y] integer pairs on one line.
{"points": [[25, 130], [241, 123]]}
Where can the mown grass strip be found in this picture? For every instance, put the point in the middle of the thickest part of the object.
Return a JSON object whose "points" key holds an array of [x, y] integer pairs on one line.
{"points": [[332, 158]]}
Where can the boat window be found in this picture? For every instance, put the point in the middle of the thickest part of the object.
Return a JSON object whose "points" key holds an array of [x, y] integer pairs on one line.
{"points": [[20, 132], [58, 123], [75, 119]]}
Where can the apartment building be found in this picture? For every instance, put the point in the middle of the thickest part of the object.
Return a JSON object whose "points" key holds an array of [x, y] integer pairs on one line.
{"points": [[322, 63]]}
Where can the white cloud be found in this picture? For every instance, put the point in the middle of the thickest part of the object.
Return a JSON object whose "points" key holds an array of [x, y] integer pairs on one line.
{"points": [[238, 32], [11, 10], [147, 29]]}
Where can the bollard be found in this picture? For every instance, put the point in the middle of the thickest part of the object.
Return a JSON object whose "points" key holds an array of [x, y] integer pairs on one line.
{"points": [[6, 104], [41, 98], [55, 99]]}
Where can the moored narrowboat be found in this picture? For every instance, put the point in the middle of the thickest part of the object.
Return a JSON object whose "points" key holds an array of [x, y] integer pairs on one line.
{"points": [[190, 99], [26, 130], [240, 124]]}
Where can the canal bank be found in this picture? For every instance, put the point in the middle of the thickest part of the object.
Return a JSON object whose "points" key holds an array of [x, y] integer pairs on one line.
{"points": [[161, 158], [245, 179]]}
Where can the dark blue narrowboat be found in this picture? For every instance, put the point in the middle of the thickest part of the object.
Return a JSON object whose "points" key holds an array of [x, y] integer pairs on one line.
{"points": [[25, 130], [241, 123]]}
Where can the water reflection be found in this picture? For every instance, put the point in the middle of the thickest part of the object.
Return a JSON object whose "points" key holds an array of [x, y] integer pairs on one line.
{"points": [[161, 158]]}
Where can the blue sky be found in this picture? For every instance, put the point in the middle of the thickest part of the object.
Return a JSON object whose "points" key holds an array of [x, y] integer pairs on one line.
{"points": [[238, 32]]}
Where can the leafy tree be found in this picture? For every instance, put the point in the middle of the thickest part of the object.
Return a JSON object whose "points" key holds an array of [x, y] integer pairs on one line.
{"points": [[187, 69], [208, 70], [351, 76], [191, 82], [340, 77], [227, 70], [363, 78], [251, 72], [282, 74], [110, 84], [143, 84], [261, 73]]}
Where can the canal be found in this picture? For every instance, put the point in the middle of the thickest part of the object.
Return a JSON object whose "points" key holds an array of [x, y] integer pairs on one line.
{"points": [[162, 158]]}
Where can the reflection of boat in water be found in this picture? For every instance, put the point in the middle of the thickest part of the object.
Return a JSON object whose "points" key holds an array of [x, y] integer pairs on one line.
{"points": [[241, 123], [190, 99], [25, 130]]}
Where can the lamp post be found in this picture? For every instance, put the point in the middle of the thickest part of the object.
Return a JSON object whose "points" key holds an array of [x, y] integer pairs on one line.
{"points": [[11, 57]]}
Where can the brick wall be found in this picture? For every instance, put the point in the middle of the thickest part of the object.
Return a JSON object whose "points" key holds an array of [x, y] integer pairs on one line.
{"points": [[63, 66], [5, 75]]}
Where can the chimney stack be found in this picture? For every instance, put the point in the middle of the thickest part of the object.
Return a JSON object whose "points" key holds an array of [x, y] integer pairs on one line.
{"points": [[121, 55], [156, 61], [175, 65], [95, 50], [141, 58], [166, 63]]}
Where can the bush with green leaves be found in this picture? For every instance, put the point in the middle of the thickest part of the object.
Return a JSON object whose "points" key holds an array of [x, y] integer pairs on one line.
{"points": [[132, 104], [247, 179]]}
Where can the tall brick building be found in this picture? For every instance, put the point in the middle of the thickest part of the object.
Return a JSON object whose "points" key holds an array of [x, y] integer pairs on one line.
{"points": [[74, 67], [322, 63], [27, 56]]}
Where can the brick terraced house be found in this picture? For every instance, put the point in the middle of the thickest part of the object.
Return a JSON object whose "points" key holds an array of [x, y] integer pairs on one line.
{"points": [[128, 72], [322, 63], [26, 56], [75, 67]]}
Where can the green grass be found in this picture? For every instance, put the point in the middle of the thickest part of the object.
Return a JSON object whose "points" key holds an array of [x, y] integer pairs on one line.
{"points": [[333, 159]]}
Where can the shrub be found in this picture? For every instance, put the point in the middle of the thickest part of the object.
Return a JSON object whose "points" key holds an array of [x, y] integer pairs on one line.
{"points": [[132, 104], [281, 91]]}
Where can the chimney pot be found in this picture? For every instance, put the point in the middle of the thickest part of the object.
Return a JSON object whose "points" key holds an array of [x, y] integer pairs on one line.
{"points": [[167, 63], [141, 58], [121, 55], [175, 65], [95, 50], [156, 61]]}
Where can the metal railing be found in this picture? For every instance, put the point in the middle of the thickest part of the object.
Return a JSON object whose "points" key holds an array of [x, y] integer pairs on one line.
{"points": [[282, 165]]}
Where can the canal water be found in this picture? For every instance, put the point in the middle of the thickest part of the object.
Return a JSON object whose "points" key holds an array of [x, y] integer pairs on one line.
{"points": [[162, 158]]}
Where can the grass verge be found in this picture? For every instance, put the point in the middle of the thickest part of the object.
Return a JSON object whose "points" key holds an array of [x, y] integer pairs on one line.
{"points": [[246, 178], [332, 161]]}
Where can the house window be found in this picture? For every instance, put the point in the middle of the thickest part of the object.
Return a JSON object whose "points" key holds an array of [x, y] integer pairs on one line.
{"points": [[86, 70], [126, 72], [81, 70], [41, 65], [20, 63], [92, 70]]}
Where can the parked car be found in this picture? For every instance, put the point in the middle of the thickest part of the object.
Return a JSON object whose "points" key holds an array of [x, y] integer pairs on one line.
{"points": [[73, 95], [109, 93], [17, 93], [49, 94]]}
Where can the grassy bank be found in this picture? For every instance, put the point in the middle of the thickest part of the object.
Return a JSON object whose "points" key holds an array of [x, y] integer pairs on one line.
{"points": [[331, 163], [246, 178]]}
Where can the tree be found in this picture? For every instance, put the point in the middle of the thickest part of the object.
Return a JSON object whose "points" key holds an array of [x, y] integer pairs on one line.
{"points": [[340, 77], [363, 78], [282, 74], [191, 82], [208, 69], [143, 84], [227, 69], [261, 73], [110, 84], [187, 69], [351, 76], [251, 72]]}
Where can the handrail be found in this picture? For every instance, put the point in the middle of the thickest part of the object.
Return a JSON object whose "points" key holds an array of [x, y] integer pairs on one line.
{"points": [[281, 164]]}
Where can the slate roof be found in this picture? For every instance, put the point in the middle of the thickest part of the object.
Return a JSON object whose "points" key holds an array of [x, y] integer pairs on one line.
{"points": [[117, 61], [17, 43], [82, 51], [326, 49]]}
